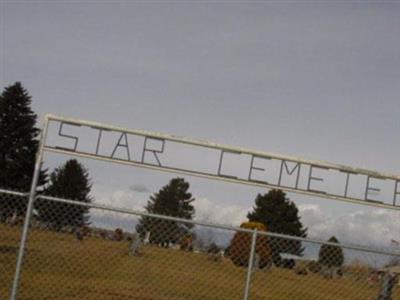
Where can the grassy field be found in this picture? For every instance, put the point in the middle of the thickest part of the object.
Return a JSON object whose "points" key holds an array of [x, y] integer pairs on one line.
{"points": [[57, 267]]}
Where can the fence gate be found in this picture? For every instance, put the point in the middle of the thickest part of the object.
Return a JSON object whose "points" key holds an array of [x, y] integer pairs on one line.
{"points": [[53, 263]]}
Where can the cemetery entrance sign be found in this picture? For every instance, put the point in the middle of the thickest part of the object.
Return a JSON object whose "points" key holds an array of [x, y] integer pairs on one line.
{"points": [[221, 162]]}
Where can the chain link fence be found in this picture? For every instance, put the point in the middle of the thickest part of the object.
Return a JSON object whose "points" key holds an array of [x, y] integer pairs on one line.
{"points": [[12, 212], [123, 254]]}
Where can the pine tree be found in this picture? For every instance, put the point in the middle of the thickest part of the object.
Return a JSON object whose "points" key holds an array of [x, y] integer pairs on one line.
{"points": [[18, 147], [330, 255], [172, 200], [279, 215], [70, 181]]}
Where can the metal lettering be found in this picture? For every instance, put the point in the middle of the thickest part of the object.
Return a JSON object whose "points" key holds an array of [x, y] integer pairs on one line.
{"points": [[154, 151], [310, 177], [252, 167], [99, 138], [298, 166], [287, 166], [368, 188], [220, 164], [75, 138], [126, 146], [396, 191], [346, 187]]}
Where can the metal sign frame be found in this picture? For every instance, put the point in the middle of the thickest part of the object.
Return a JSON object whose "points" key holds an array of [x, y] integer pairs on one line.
{"points": [[225, 150]]}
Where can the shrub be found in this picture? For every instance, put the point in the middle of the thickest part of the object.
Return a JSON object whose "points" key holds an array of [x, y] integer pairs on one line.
{"points": [[214, 252], [239, 248], [287, 263], [118, 234], [103, 234], [330, 255], [314, 266], [213, 249], [358, 270], [186, 243], [300, 271]]}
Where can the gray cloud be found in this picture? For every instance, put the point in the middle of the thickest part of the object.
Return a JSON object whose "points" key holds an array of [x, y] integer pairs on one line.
{"points": [[140, 188]]}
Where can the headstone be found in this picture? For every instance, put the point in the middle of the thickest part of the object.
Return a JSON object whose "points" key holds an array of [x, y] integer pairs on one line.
{"points": [[79, 234], [14, 218], [388, 282], [135, 246], [147, 237]]}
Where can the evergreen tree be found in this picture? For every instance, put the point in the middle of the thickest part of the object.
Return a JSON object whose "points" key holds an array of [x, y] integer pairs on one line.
{"points": [[18, 147], [172, 200], [70, 181], [331, 256], [279, 215]]}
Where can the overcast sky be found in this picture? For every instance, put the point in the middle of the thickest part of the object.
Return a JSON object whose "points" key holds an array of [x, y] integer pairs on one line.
{"points": [[319, 80]]}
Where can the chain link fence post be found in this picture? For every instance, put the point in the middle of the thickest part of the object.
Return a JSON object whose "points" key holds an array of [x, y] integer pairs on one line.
{"points": [[250, 265], [28, 215]]}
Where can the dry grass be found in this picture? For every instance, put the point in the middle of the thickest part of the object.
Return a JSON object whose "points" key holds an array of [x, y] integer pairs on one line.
{"points": [[58, 267]]}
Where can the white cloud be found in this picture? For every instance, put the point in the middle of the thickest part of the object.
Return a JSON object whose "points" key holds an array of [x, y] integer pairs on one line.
{"points": [[311, 215], [120, 199], [207, 210], [125, 198], [375, 227]]}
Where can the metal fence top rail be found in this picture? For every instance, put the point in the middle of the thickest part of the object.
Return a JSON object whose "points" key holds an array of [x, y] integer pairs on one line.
{"points": [[14, 193]]}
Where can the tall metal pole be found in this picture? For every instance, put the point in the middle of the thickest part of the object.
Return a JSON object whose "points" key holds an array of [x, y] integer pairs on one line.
{"points": [[28, 215], [250, 265]]}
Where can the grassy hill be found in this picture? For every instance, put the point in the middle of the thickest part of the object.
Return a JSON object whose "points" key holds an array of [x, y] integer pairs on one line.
{"points": [[58, 267]]}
